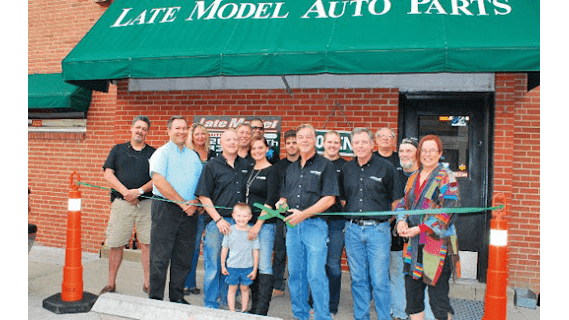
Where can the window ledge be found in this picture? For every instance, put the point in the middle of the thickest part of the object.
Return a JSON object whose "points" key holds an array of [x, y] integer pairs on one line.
{"points": [[57, 129], [56, 133]]}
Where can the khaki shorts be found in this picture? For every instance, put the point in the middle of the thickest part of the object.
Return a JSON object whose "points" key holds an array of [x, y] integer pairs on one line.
{"points": [[123, 217]]}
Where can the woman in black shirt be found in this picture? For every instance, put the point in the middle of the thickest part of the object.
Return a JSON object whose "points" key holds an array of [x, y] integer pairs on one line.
{"points": [[262, 187]]}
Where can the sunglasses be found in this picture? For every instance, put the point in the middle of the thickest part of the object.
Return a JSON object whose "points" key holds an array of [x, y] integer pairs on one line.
{"points": [[410, 140]]}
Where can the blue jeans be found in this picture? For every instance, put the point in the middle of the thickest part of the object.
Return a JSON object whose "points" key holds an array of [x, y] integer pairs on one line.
{"points": [[215, 287], [191, 278], [334, 261], [397, 285], [368, 250], [307, 249], [266, 241]]}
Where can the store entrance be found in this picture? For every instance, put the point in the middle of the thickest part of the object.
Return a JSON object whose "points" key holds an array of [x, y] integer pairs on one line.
{"points": [[462, 120]]}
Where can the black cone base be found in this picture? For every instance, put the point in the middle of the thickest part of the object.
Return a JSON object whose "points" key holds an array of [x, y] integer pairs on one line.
{"points": [[56, 305]]}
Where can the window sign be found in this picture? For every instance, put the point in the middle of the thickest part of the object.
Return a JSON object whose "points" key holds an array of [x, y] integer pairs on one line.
{"points": [[216, 125], [346, 148]]}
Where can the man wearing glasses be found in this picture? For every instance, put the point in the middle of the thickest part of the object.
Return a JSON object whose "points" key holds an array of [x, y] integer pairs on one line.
{"points": [[258, 129], [385, 140]]}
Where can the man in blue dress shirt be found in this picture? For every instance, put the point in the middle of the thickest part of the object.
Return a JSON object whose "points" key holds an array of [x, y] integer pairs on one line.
{"points": [[175, 171]]}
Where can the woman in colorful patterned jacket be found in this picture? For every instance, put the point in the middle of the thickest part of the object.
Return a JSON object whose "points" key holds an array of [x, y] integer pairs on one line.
{"points": [[431, 255]]}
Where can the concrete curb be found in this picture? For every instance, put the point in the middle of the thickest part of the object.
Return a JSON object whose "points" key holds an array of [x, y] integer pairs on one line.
{"points": [[131, 307]]}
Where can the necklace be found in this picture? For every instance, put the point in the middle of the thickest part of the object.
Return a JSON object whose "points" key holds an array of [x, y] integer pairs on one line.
{"points": [[250, 182]]}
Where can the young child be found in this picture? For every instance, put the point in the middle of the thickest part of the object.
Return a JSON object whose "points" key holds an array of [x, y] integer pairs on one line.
{"points": [[243, 258]]}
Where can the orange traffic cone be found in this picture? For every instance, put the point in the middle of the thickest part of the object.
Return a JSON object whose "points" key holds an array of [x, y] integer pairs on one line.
{"points": [[495, 307], [72, 299]]}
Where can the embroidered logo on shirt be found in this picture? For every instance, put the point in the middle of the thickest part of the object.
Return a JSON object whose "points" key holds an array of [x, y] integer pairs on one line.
{"points": [[375, 179], [262, 178], [244, 171], [318, 173]]}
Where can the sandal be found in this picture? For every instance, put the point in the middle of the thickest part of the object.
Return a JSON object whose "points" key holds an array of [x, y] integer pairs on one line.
{"points": [[107, 288]]}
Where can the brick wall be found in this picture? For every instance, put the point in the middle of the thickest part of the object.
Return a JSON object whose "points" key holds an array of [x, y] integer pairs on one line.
{"points": [[52, 157], [524, 223], [517, 174], [55, 27], [371, 108]]}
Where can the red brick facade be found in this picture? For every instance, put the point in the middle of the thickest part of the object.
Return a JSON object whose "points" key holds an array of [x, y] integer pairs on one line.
{"points": [[52, 157], [524, 224]]}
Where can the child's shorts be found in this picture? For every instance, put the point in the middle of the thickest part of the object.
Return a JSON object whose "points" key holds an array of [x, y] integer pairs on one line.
{"points": [[238, 276]]}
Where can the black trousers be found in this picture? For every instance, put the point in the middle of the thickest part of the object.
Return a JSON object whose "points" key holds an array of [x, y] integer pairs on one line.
{"points": [[438, 295], [172, 239], [279, 261]]}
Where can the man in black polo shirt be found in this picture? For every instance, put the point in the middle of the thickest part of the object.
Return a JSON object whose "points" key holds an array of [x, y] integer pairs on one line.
{"points": [[126, 170], [279, 259], [310, 187], [369, 183], [222, 184]]}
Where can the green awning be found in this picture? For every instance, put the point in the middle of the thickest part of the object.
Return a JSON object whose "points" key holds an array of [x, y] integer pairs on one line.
{"points": [[50, 92], [183, 38]]}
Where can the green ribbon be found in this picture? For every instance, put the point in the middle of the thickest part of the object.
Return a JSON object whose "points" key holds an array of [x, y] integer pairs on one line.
{"points": [[415, 212], [152, 198], [277, 213], [272, 213]]}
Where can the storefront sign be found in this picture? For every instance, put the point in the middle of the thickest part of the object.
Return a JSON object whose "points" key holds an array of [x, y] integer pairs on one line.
{"points": [[223, 10]]}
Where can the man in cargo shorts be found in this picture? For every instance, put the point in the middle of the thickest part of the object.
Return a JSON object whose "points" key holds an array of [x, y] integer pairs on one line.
{"points": [[127, 171]]}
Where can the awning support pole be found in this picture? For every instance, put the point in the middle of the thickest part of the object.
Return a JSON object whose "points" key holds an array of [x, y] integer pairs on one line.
{"points": [[338, 106], [288, 89]]}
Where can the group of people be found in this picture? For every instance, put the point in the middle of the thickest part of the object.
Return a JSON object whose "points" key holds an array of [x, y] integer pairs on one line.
{"points": [[332, 204]]}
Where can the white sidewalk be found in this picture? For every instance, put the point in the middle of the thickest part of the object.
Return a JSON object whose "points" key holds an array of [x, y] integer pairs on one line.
{"points": [[45, 274]]}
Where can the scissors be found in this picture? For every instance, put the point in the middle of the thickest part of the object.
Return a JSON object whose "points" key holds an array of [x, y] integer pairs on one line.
{"points": [[271, 213]]}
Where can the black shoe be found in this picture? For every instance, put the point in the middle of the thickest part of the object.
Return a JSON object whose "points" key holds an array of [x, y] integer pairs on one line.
{"points": [[182, 301], [188, 291]]}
